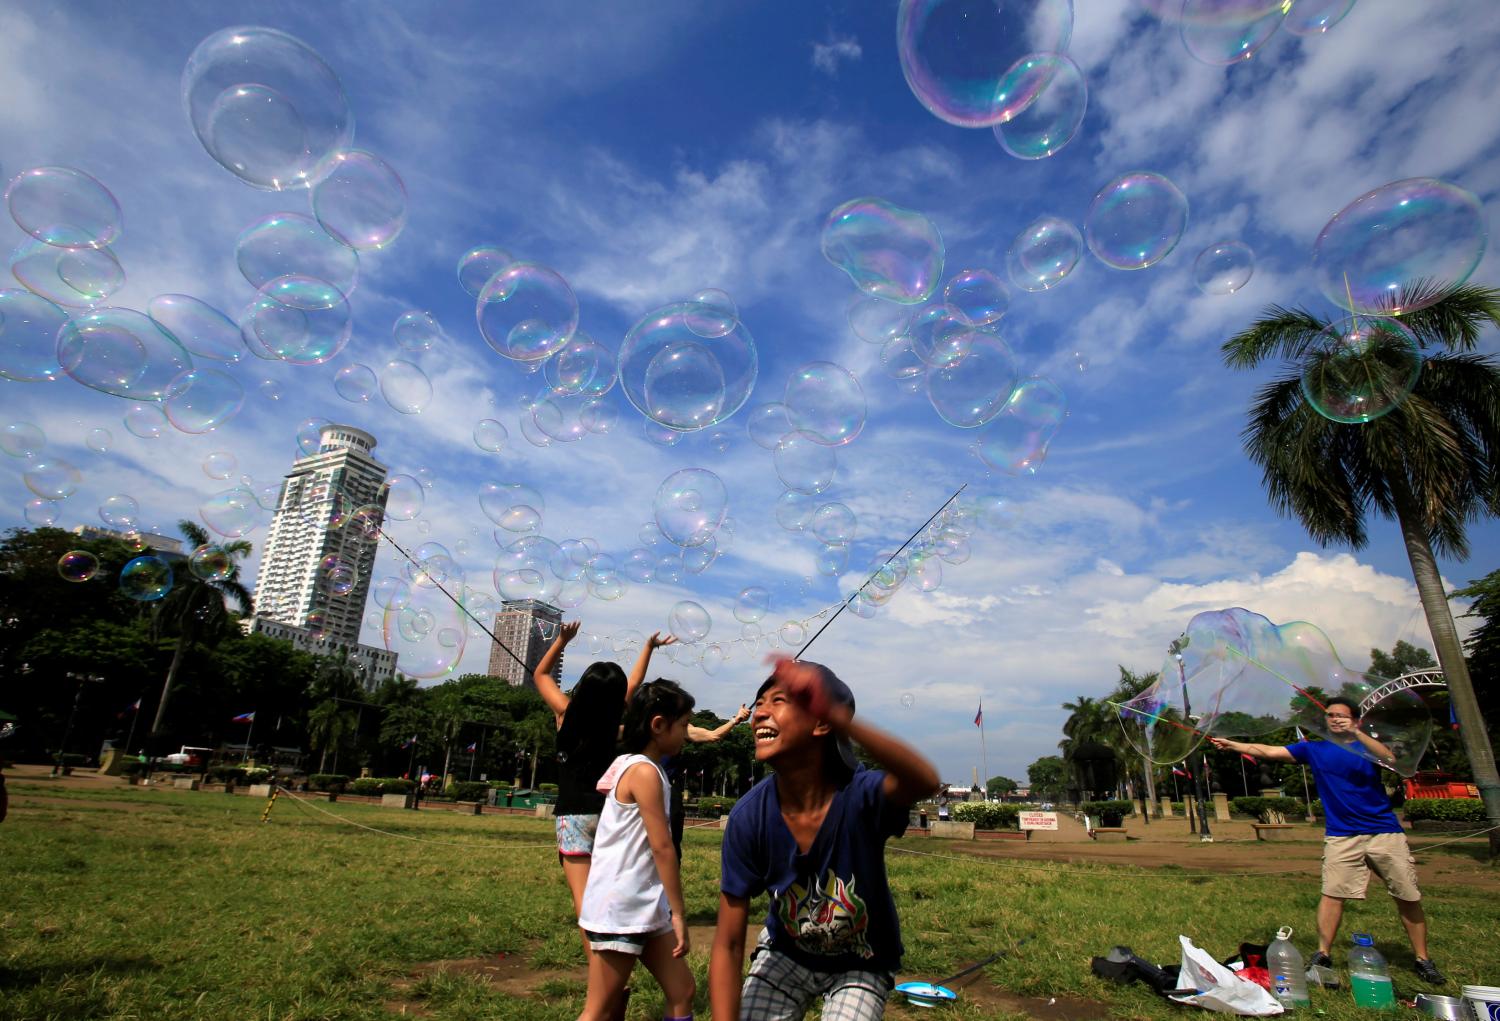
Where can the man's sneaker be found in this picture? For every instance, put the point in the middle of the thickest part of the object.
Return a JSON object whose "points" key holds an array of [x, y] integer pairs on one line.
{"points": [[1322, 960], [1428, 972]]}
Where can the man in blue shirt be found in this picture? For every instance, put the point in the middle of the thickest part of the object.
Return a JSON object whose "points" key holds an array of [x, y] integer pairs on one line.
{"points": [[1362, 834]]}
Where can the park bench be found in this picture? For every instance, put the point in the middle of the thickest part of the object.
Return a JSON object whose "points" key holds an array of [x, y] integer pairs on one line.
{"points": [[1109, 833], [1273, 830]]}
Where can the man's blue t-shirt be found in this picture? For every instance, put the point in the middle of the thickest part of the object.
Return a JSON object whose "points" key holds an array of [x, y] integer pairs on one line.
{"points": [[1354, 802], [831, 908]]}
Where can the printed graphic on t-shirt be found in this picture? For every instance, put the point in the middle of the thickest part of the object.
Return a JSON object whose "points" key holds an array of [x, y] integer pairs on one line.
{"points": [[828, 919]]}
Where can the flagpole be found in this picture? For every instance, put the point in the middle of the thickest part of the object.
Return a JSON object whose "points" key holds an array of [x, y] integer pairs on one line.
{"points": [[248, 735], [135, 717], [984, 760], [1307, 795]]}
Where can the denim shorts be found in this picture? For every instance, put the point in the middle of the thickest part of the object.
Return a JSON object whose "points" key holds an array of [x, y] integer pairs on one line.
{"points": [[575, 835]]}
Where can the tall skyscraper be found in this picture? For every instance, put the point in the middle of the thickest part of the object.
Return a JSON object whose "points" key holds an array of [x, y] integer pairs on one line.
{"points": [[315, 571], [527, 627]]}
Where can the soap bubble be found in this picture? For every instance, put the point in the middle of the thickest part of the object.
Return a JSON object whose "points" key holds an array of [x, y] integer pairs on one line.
{"points": [[804, 463], [211, 562], [514, 506], [201, 400], [940, 334], [1135, 220], [925, 570], [310, 435], [121, 352], [51, 478], [522, 572], [876, 321], [794, 510], [908, 700], [1314, 17], [427, 633], [581, 366], [526, 312], [146, 578], [77, 565], [390, 593], [688, 621], [63, 207], [478, 265], [29, 326], [752, 604], [716, 315], [231, 513], [298, 319], [767, 424], [361, 202], [1228, 42], [972, 390], [680, 379], [416, 331], [690, 505], [899, 359], [1223, 267], [792, 634], [1051, 120], [145, 421], [959, 56], [825, 402], [405, 387], [219, 465], [339, 577], [269, 388], [99, 440], [490, 435], [266, 107], [1400, 247], [290, 244], [570, 559], [198, 326], [833, 523], [41, 513], [889, 252], [75, 277], [833, 559], [1362, 368], [355, 383], [22, 439], [119, 511], [1043, 254], [977, 293], [1016, 441]]}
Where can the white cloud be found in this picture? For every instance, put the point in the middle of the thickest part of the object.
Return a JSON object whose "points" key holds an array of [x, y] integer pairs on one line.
{"points": [[826, 57]]}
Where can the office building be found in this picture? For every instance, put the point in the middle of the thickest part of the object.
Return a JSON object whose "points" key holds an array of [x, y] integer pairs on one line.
{"points": [[526, 627]]}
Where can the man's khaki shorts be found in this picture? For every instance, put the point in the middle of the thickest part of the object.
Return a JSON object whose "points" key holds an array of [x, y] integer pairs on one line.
{"points": [[1348, 861]]}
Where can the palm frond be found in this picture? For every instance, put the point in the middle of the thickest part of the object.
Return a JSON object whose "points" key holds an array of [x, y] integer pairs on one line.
{"points": [[1457, 320], [1279, 333]]}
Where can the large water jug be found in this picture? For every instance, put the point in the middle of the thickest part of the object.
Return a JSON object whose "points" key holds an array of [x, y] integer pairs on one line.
{"points": [[1288, 972], [1369, 976]]}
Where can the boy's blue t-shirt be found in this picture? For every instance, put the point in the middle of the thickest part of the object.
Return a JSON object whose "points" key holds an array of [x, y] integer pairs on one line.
{"points": [[1354, 802], [831, 908]]}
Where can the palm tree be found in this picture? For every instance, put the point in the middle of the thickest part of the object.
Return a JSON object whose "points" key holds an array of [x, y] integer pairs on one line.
{"points": [[1432, 464], [195, 606], [1086, 734], [1127, 736], [330, 719]]}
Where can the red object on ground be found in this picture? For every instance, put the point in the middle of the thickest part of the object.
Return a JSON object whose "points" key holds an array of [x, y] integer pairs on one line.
{"points": [[1439, 785]]}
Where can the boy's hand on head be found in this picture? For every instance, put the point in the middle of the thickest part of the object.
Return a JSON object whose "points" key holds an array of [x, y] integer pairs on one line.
{"points": [[804, 682], [657, 640], [567, 632]]}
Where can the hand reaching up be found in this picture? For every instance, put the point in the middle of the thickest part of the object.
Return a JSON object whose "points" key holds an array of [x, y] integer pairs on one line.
{"points": [[657, 640]]}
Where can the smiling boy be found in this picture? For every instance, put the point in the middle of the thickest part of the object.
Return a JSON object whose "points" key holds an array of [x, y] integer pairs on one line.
{"points": [[813, 835]]}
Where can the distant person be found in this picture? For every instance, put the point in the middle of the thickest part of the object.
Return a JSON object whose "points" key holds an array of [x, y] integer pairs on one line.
{"points": [[632, 903], [1362, 836], [813, 835], [673, 767]]}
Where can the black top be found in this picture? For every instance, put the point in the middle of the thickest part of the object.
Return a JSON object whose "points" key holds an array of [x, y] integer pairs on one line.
{"points": [[576, 776]]}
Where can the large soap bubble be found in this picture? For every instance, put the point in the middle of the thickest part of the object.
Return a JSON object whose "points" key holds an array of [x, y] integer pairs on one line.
{"points": [[522, 570], [266, 107], [198, 326], [1016, 440], [75, 277], [29, 326], [403, 497], [581, 366], [200, 400], [1227, 41], [427, 632], [679, 378], [297, 319], [805, 464], [362, 202], [22, 439], [689, 621], [889, 252], [1223, 267], [121, 352], [146, 579], [514, 506], [959, 56], [1314, 17], [972, 390], [690, 506], [825, 402], [1135, 220], [877, 321], [527, 312], [981, 296], [51, 478], [1363, 367], [477, 267], [1051, 120], [405, 386], [752, 604], [767, 423], [1400, 247], [1043, 254], [63, 207], [290, 243]]}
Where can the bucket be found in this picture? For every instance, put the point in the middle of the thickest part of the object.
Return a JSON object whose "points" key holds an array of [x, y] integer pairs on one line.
{"points": [[1444, 1008], [1483, 1001]]}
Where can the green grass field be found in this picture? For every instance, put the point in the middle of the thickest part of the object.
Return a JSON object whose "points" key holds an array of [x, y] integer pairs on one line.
{"points": [[122, 902]]}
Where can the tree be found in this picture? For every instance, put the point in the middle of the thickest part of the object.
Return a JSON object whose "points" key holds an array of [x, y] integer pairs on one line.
{"points": [[1430, 463], [1086, 747], [1048, 776], [1484, 644], [1405, 658], [999, 786]]}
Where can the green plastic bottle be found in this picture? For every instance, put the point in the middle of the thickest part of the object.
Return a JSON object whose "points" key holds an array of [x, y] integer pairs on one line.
{"points": [[1369, 976]]}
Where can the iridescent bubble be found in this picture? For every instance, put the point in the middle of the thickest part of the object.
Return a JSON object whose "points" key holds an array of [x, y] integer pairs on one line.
{"points": [[716, 315], [689, 621], [145, 421], [146, 578], [939, 334], [270, 389], [1016, 441], [514, 506], [752, 604], [121, 352], [899, 359], [825, 403], [876, 321], [1135, 220], [1051, 120], [1223, 267], [608, 588], [22, 439], [721, 441], [889, 252], [219, 465], [767, 424], [680, 379], [794, 510], [99, 440], [51, 478], [266, 107], [490, 435], [416, 331], [355, 383], [833, 559], [1400, 247], [361, 202], [527, 312], [427, 633], [201, 400], [959, 56], [805, 464], [599, 418], [531, 431], [198, 326], [833, 524], [211, 562], [41, 513], [1220, 40], [569, 559], [390, 593], [338, 576], [926, 571], [232, 513], [581, 366], [559, 416], [981, 296], [971, 391], [119, 511], [63, 207], [478, 265], [290, 244], [522, 570], [405, 387], [792, 634], [75, 277], [908, 700], [690, 505], [640, 566], [310, 435], [267, 494], [77, 565], [1363, 367], [298, 319], [1314, 17], [29, 326]]}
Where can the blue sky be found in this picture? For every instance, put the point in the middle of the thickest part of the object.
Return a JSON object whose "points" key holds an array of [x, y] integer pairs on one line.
{"points": [[647, 152]]}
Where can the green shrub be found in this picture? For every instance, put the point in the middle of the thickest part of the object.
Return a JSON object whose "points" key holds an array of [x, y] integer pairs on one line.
{"points": [[226, 773], [469, 790], [257, 775], [1109, 813], [1259, 807], [712, 806], [547, 788], [373, 786], [335, 782], [500, 785], [988, 815], [1445, 809]]}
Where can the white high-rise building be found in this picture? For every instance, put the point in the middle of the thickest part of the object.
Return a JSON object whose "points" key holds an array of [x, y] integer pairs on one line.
{"points": [[315, 572]]}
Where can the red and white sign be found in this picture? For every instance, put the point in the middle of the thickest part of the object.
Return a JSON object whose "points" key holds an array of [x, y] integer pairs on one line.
{"points": [[1038, 820]]}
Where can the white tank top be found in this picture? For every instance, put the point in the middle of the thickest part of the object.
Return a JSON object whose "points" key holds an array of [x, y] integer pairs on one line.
{"points": [[624, 892]]}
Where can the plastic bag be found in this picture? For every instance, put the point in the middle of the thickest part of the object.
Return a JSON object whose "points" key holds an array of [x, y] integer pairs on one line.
{"points": [[1204, 982]]}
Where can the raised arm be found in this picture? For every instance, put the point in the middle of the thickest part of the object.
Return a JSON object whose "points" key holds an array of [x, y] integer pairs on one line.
{"points": [[1269, 752], [643, 661], [702, 735], [546, 684]]}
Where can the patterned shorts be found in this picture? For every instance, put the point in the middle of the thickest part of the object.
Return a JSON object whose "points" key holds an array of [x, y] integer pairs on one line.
{"points": [[780, 989], [632, 943], [575, 835]]}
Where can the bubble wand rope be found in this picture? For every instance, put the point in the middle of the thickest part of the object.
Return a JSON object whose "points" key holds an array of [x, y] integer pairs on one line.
{"points": [[910, 539], [462, 609]]}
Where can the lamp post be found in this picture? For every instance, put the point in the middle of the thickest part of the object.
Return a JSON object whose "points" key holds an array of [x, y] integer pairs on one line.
{"points": [[82, 679], [1187, 711]]}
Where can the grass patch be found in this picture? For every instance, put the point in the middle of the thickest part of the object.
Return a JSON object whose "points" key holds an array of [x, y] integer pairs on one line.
{"points": [[197, 910]]}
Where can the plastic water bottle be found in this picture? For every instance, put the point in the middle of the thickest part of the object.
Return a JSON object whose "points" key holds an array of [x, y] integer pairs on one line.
{"points": [[1369, 976], [1288, 972]]}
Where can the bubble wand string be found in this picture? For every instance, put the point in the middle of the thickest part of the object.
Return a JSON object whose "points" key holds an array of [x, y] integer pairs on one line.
{"points": [[911, 538], [1157, 718]]}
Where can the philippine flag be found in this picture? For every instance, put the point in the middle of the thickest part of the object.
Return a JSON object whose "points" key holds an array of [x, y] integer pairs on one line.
{"points": [[244, 718], [1180, 772], [979, 716], [473, 747], [1248, 758], [409, 741]]}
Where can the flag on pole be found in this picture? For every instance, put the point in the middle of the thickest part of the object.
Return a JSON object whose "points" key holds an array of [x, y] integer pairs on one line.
{"points": [[409, 741], [132, 707], [243, 718], [1180, 772], [1300, 735], [473, 747], [979, 716], [1248, 758]]}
